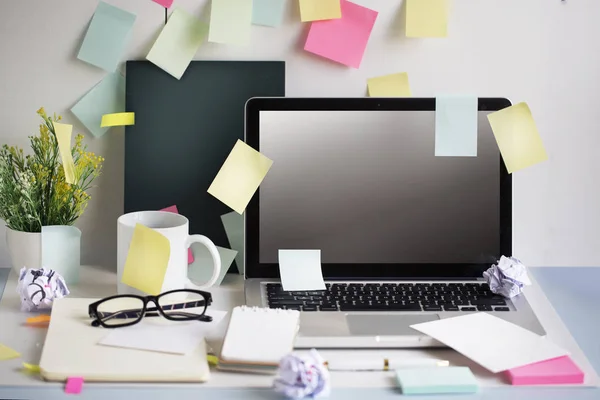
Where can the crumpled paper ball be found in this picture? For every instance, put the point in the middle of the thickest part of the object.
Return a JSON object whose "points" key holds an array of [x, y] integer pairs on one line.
{"points": [[301, 376], [508, 277], [39, 287]]}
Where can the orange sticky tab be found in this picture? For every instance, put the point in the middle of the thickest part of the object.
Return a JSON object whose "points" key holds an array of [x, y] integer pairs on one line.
{"points": [[40, 319]]}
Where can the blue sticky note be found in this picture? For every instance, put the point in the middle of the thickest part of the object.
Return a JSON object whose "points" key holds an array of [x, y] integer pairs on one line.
{"points": [[234, 229], [61, 251], [106, 37], [456, 126], [436, 380], [107, 97], [268, 12]]}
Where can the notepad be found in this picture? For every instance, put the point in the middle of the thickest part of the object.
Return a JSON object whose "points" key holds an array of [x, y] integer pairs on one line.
{"points": [[435, 380], [561, 370], [258, 338]]}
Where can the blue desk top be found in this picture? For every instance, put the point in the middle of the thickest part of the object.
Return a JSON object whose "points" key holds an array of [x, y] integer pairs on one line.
{"points": [[572, 291]]}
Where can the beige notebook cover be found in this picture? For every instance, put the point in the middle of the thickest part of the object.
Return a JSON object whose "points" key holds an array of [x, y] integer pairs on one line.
{"points": [[71, 349]]}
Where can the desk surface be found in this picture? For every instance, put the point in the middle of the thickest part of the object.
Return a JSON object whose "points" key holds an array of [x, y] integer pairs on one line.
{"points": [[572, 292]]}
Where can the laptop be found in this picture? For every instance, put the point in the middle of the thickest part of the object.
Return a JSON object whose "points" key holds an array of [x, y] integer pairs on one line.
{"points": [[404, 235]]}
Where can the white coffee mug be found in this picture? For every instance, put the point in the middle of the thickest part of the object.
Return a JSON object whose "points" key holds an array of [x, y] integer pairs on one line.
{"points": [[174, 227]]}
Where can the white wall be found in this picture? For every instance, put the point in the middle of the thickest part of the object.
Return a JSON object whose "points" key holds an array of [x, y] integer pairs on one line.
{"points": [[540, 51]]}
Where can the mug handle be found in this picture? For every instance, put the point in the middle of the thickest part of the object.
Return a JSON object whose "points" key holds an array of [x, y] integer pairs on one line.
{"points": [[214, 253]]}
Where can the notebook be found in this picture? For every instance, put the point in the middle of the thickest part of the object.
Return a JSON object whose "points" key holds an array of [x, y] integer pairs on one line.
{"points": [[258, 338], [71, 349]]}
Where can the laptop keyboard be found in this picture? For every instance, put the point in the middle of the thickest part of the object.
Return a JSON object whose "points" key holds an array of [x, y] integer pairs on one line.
{"points": [[389, 297]]}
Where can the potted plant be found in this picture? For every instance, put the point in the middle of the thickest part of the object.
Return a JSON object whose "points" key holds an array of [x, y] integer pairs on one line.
{"points": [[34, 192]]}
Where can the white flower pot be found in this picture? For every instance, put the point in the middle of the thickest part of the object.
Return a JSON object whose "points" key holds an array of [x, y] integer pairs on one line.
{"points": [[24, 248]]}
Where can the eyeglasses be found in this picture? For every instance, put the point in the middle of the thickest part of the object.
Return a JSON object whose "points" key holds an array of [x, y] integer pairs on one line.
{"points": [[128, 309]]}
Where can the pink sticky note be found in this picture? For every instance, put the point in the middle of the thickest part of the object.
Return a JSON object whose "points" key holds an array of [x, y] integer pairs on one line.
{"points": [[555, 371], [74, 385], [343, 40], [164, 3], [174, 210]]}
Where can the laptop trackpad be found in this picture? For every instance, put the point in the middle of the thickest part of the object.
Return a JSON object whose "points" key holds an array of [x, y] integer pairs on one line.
{"points": [[386, 324]]}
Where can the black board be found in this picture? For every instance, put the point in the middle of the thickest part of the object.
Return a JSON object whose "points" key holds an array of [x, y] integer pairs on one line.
{"points": [[184, 130]]}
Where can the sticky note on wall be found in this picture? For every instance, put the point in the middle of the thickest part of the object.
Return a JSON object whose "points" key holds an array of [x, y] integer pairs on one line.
{"points": [[268, 12], [164, 3], [426, 18], [118, 119], [317, 10], [63, 137], [343, 40], [456, 126], [393, 85], [106, 37], [230, 21], [301, 270], [518, 139]]}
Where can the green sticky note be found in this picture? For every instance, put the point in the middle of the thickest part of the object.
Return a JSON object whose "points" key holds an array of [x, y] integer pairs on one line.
{"points": [[200, 271], [234, 229], [436, 380], [230, 21], [456, 126], [268, 12], [107, 97], [177, 43], [106, 37]]}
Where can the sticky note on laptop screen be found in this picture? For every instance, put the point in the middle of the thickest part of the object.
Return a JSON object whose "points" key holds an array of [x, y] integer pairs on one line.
{"points": [[426, 18], [230, 21], [106, 37], [301, 270], [240, 176], [517, 136], [316, 10], [436, 380], [456, 126], [342, 40], [392, 85], [147, 260]]}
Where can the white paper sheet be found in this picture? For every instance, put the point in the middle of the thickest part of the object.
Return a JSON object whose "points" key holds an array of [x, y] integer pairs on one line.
{"points": [[493, 343], [163, 337], [301, 270]]}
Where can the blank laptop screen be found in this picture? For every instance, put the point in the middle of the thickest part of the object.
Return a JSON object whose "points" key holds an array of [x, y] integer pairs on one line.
{"points": [[366, 187]]}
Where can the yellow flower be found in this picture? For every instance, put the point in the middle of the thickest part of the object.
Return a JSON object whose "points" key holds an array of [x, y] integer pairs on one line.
{"points": [[41, 111]]}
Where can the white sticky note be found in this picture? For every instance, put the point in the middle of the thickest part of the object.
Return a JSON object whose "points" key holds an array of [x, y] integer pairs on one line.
{"points": [[301, 270], [61, 251], [491, 342], [456, 126], [163, 336]]}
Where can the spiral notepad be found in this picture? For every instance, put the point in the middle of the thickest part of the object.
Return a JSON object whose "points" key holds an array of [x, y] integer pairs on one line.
{"points": [[258, 338]]}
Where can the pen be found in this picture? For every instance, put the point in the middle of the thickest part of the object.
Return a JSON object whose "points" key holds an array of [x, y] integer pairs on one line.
{"points": [[379, 364]]}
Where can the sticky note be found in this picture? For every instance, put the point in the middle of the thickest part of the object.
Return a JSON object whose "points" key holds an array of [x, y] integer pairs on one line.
{"points": [[301, 270], [240, 176], [393, 85], [164, 3], [147, 260], [6, 353], [118, 119], [74, 385], [106, 37], [234, 229], [230, 21], [200, 271], [436, 380], [426, 18], [174, 210], [63, 137], [40, 319], [268, 12], [518, 139], [107, 97], [31, 368], [177, 43], [61, 251], [561, 370], [456, 126], [342, 40], [316, 10]]}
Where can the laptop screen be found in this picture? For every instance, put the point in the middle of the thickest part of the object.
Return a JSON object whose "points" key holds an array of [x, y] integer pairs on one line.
{"points": [[365, 187]]}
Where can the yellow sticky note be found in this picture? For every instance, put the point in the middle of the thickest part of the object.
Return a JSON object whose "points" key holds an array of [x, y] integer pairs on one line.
{"points": [[63, 137], [118, 119], [518, 139], [240, 176], [40, 319], [6, 353], [317, 10], [394, 85], [34, 369], [147, 260], [426, 18]]}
